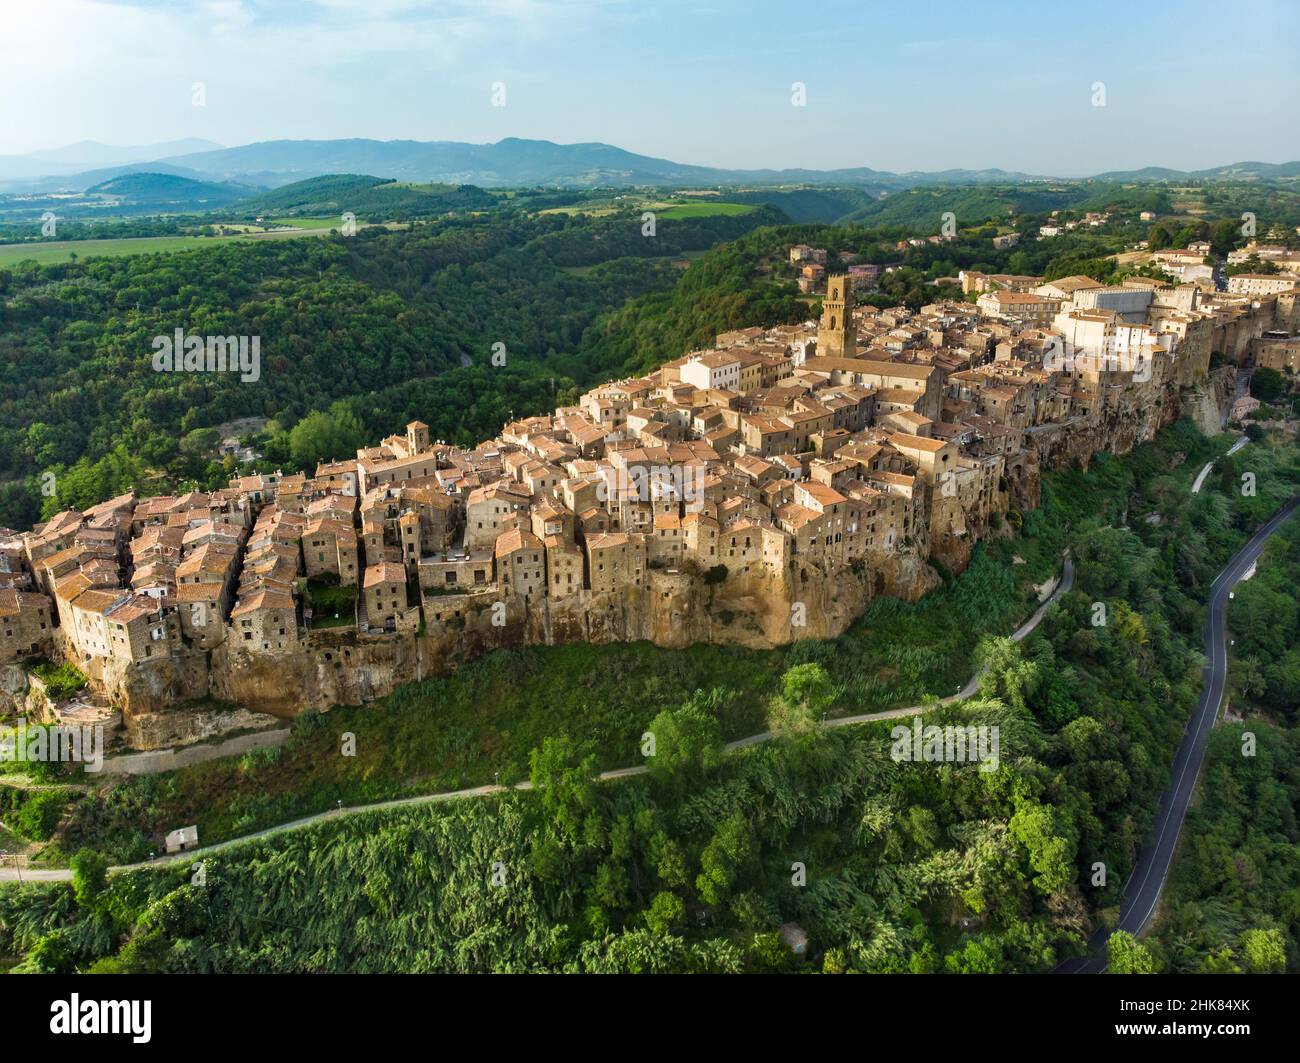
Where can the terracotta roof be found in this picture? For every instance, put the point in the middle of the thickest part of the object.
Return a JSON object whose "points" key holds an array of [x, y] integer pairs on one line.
{"points": [[384, 572], [516, 539]]}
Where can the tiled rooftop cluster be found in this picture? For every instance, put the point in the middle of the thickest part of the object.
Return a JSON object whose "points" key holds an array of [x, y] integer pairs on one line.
{"points": [[829, 444]]}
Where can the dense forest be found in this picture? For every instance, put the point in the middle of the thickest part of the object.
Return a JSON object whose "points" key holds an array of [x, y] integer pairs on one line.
{"points": [[373, 198], [392, 325], [1026, 205], [360, 334], [694, 867], [1234, 894]]}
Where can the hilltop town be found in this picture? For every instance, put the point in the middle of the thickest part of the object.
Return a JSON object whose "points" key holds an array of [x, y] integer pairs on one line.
{"points": [[756, 492]]}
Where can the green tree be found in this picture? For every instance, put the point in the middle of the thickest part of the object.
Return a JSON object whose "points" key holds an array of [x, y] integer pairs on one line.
{"points": [[1126, 955], [1267, 384], [1048, 836], [566, 781], [810, 686], [89, 876], [321, 436], [768, 954], [1007, 673], [727, 852], [687, 741], [201, 441], [666, 911], [1265, 951]]}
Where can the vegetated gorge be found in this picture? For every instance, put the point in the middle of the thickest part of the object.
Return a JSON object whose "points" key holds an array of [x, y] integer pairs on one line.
{"points": [[694, 866], [887, 866]]}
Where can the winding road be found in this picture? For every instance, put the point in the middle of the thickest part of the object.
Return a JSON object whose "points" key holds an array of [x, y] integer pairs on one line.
{"points": [[1142, 891], [1200, 478], [10, 874]]}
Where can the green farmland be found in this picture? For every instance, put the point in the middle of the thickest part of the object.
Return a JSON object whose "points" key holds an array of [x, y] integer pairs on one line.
{"points": [[704, 209], [49, 252]]}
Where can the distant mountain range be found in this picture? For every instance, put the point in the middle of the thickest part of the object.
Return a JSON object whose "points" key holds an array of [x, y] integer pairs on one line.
{"points": [[74, 159], [1239, 170], [507, 163]]}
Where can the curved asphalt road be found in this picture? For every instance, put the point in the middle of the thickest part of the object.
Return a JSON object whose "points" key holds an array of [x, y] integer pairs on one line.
{"points": [[9, 874], [1200, 479], [1142, 891]]}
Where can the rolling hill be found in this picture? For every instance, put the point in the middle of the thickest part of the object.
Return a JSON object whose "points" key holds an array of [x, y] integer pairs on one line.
{"points": [[163, 190], [515, 162], [367, 197]]}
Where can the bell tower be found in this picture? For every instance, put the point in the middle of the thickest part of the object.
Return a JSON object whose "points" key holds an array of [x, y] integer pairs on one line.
{"points": [[836, 337], [417, 437]]}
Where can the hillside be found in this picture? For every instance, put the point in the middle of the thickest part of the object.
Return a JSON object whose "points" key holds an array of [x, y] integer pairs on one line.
{"points": [[391, 325], [163, 190], [907, 869], [367, 197], [510, 162], [515, 163]]}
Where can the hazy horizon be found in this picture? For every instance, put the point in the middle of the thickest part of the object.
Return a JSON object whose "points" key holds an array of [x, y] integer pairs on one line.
{"points": [[930, 87], [873, 165]]}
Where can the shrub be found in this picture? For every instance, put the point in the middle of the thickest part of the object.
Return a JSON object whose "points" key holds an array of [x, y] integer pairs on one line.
{"points": [[61, 681], [39, 814], [89, 876]]}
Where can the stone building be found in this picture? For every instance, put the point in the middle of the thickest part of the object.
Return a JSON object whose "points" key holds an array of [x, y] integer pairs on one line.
{"points": [[836, 335], [26, 625], [266, 621], [384, 595]]}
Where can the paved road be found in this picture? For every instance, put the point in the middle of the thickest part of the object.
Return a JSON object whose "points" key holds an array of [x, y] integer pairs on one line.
{"points": [[9, 874], [1142, 891], [1200, 478], [1063, 585]]}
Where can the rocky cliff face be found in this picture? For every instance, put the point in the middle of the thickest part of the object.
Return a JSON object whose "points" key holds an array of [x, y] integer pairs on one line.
{"points": [[751, 607], [1208, 403], [342, 666], [13, 689], [153, 686], [181, 726], [1075, 442], [1135, 421]]}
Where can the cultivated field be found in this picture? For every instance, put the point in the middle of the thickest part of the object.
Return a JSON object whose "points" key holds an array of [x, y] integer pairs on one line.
{"points": [[704, 210], [52, 251]]}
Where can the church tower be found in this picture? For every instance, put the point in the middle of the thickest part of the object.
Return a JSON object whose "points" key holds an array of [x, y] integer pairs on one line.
{"points": [[836, 337], [417, 437]]}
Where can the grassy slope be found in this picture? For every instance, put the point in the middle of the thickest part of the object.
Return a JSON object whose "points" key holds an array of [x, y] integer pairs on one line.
{"points": [[447, 733], [403, 887]]}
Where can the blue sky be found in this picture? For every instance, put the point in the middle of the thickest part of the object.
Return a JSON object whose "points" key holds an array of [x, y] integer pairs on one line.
{"points": [[896, 86]]}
